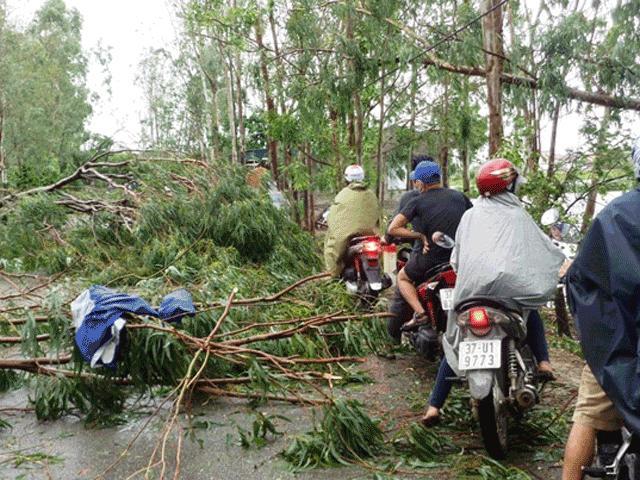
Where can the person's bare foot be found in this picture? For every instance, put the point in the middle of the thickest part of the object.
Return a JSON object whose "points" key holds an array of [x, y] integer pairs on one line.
{"points": [[431, 417]]}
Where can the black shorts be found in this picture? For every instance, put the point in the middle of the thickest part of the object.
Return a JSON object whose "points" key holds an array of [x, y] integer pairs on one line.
{"points": [[418, 266]]}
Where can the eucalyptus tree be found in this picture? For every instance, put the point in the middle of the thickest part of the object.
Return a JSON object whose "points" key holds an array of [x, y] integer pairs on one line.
{"points": [[44, 101]]}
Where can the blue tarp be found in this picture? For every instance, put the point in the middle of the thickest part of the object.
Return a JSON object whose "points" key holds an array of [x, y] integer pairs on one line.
{"points": [[604, 297], [97, 317]]}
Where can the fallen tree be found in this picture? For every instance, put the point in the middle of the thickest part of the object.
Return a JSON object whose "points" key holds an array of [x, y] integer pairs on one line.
{"points": [[253, 361]]}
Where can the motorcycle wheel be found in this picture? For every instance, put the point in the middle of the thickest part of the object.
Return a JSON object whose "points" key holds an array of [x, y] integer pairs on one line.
{"points": [[493, 423], [368, 299]]}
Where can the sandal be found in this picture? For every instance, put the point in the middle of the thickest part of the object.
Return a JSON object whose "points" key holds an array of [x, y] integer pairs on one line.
{"points": [[418, 320], [545, 375], [428, 422]]}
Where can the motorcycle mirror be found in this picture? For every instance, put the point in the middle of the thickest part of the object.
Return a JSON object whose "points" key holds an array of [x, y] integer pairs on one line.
{"points": [[443, 240], [550, 217]]}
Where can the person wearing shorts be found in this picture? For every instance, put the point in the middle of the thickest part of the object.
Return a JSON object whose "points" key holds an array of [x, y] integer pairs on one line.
{"points": [[593, 408], [435, 209]]}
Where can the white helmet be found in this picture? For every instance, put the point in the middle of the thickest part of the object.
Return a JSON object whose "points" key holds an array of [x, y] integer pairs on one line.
{"points": [[635, 158], [354, 173]]}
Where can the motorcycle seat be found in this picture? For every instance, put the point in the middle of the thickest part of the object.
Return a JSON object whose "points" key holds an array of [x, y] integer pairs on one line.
{"points": [[356, 240], [441, 267]]}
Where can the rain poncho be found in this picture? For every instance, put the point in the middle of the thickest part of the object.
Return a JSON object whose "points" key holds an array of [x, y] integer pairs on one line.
{"points": [[355, 212], [604, 297], [97, 317], [501, 253]]}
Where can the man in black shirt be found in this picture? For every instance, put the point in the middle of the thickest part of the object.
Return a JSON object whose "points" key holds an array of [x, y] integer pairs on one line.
{"points": [[435, 209], [412, 193]]}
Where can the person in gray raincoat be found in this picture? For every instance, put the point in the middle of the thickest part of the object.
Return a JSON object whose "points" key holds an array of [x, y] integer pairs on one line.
{"points": [[501, 253]]}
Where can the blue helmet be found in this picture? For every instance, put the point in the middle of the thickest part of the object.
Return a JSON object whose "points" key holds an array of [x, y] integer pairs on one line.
{"points": [[415, 160], [427, 172]]}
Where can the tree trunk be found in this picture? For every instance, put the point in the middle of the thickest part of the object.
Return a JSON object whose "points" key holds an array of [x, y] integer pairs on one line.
{"points": [[271, 108], [333, 115], [3, 163], [312, 202], [552, 148], [595, 168], [443, 154], [562, 318], [466, 187], [359, 127], [231, 114], [492, 41], [210, 83], [379, 166], [531, 119], [280, 66], [412, 120], [240, 107]]}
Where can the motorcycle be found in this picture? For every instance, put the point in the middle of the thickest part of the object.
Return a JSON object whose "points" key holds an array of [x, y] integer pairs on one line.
{"points": [[617, 456], [617, 453], [363, 275], [563, 235], [436, 296], [497, 364]]}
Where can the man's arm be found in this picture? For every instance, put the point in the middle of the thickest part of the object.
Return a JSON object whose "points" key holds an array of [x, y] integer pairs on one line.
{"points": [[398, 228]]}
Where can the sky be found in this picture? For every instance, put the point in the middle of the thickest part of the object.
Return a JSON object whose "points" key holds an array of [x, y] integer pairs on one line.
{"points": [[129, 28]]}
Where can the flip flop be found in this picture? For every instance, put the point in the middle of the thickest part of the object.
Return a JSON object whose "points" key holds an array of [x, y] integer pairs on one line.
{"points": [[545, 375], [415, 322]]}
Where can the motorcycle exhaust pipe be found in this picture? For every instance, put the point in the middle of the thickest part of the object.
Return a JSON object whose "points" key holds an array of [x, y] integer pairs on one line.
{"points": [[526, 396]]}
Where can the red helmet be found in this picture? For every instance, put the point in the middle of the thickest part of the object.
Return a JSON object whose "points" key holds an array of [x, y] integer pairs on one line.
{"points": [[495, 176]]}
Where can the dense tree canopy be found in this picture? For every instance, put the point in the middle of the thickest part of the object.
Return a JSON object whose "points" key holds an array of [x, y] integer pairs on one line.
{"points": [[319, 85], [44, 101]]}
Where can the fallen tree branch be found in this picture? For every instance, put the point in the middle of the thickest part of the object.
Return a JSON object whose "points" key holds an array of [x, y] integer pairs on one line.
{"points": [[269, 298], [12, 340], [84, 171]]}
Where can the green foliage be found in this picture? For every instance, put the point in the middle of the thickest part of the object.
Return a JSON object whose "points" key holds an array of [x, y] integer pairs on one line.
{"points": [[346, 433], [262, 426], [37, 457], [490, 469], [183, 236], [4, 424], [422, 444], [9, 380], [54, 397], [155, 358], [43, 132]]}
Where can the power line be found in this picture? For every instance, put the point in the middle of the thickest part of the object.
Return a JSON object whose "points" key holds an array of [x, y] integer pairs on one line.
{"points": [[446, 38]]}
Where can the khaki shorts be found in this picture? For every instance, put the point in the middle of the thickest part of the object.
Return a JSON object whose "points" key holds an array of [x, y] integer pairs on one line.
{"points": [[594, 409]]}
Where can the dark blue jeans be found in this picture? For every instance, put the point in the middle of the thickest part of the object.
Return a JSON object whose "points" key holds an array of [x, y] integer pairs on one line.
{"points": [[535, 339]]}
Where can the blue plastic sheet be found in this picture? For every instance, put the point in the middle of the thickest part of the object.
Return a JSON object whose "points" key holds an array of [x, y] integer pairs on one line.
{"points": [[100, 326], [604, 297]]}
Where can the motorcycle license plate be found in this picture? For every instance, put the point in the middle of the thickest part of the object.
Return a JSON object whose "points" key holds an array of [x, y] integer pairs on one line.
{"points": [[480, 355], [446, 298]]}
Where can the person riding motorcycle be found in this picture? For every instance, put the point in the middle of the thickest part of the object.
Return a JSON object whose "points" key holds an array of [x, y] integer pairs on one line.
{"points": [[411, 193], [603, 288], [498, 217], [435, 209], [355, 211]]}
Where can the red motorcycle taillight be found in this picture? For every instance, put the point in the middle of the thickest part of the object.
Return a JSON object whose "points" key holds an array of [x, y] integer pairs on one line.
{"points": [[479, 321], [449, 277], [371, 247]]}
